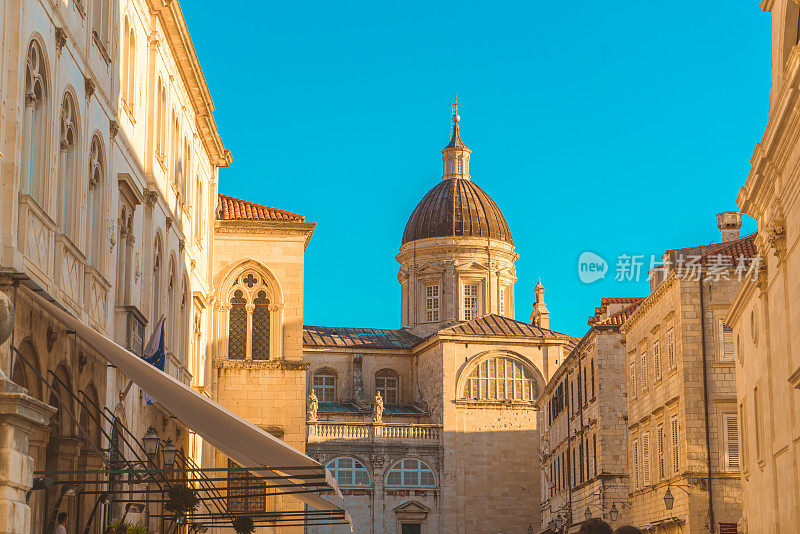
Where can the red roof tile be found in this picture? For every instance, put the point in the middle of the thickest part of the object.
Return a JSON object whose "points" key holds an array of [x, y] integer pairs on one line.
{"points": [[234, 209], [732, 252], [599, 311], [619, 318]]}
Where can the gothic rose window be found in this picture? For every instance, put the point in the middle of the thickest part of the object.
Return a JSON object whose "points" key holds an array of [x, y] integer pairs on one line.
{"points": [[411, 473], [249, 318], [500, 378], [349, 472]]}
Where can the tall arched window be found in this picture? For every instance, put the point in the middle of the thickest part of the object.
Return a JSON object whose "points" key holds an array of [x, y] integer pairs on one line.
{"points": [[348, 472], [131, 69], [125, 59], [173, 314], [186, 171], [324, 386], [387, 383], [94, 216], [33, 135], [67, 165], [500, 378], [410, 473], [198, 210], [175, 148], [460, 164], [100, 21], [157, 258], [161, 106], [183, 334], [249, 318]]}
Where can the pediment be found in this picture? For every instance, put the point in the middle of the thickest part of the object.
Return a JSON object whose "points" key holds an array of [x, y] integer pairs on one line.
{"points": [[412, 508], [430, 268], [472, 266]]}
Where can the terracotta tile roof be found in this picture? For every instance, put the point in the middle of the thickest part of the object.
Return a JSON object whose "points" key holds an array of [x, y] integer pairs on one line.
{"points": [[600, 311], [730, 253], [234, 209], [366, 338], [497, 325], [619, 318]]}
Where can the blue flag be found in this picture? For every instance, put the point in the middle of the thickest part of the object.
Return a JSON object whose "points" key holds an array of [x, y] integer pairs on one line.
{"points": [[154, 352]]}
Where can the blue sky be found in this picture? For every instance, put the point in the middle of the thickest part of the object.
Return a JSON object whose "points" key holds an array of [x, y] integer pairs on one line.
{"points": [[615, 127]]}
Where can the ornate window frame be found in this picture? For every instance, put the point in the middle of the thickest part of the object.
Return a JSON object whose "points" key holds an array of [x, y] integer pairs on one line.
{"points": [[267, 282], [384, 373]]}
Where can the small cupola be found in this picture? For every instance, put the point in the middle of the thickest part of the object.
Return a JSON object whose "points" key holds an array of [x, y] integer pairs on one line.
{"points": [[455, 156]]}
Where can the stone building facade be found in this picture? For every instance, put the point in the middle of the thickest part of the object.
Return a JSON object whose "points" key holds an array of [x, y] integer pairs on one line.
{"points": [[764, 311], [683, 435], [451, 448], [583, 426]]}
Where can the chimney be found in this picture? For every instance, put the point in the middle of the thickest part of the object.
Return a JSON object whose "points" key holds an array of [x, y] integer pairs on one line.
{"points": [[729, 223]]}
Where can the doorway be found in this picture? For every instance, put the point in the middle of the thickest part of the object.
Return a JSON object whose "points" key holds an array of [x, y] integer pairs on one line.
{"points": [[411, 528]]}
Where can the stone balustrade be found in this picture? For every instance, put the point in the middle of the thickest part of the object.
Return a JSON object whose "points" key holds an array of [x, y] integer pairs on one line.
{"points": [[322, 431]]}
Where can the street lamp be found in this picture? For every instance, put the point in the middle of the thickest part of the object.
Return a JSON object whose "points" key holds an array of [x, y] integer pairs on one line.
{"points": [[613, 514], [530, 528], [559, 522], [588, 514], [168, 452], [150, 440], [669, 500]]}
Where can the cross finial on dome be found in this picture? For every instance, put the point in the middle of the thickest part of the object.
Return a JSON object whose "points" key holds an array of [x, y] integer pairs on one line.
{"points": [[455, 105]]}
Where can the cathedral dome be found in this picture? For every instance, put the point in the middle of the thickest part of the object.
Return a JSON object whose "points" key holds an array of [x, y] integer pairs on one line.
{"points": [[456, 206]]}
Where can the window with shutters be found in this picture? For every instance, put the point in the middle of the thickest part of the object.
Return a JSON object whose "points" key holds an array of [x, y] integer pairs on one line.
{"points": [[502, 303], [636, 479], [757, 420], [432, 303], [657, 360], [673, 430], [632, 379], [671, 348], [646, 467], [594, 453], [643, 375], [743, 436], [592, 374], [730, 424], [660, 451], [725, 337]]}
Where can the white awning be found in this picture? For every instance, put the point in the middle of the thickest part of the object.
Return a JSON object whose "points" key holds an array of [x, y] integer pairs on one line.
{"points": [[239, 439]]}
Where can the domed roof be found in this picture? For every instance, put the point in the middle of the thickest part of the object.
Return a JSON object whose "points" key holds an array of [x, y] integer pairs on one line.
{"points": [[457, 207]]}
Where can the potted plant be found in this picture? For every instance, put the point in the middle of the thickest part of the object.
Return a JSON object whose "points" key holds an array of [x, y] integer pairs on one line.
{"points": [[181, 499], [243, 525]]}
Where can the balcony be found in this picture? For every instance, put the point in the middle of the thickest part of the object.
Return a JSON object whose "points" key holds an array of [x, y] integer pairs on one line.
{"points": [[378, 433]]}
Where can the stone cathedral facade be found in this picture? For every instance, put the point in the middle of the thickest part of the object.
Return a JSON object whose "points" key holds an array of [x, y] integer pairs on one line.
{"points": [[432, 428]]}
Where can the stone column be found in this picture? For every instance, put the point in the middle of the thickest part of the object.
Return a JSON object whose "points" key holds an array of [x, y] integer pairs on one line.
{"points": [[20, 416]]}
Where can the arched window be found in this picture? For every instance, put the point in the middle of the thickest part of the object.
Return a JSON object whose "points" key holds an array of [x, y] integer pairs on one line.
{"points": [[186, 172], [198, 210], [130, 65], [387, 383], [249, 318], [184, 323], [460, 164], [324, 385], [173, 314], [161, 105], [175, 149], [410, 473], [500, 378], [67, 165], [33, 135], [157, 258], [349, 472], [94, 216]]}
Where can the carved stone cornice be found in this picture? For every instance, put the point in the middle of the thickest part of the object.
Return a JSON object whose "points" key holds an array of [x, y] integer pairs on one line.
{"points": [[283, 365]]}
